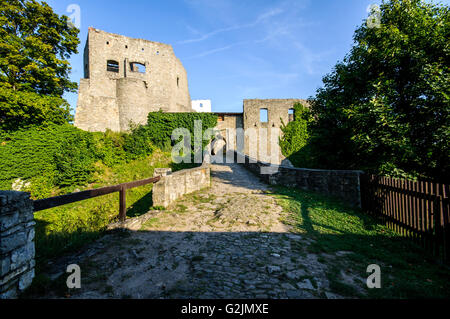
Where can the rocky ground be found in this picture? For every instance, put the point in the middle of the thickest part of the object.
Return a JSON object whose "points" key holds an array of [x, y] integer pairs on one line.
{"points": [[224, 242]]}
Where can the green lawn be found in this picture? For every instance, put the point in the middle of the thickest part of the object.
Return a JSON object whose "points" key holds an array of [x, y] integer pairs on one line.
{"points": [[69, 227], [407, 271]]}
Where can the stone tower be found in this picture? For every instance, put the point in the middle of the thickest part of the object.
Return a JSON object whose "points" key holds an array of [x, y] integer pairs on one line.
{"points": [[125, 79]]}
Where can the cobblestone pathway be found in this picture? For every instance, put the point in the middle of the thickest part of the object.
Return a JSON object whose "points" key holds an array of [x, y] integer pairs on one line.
{"points": [[224, 242]]}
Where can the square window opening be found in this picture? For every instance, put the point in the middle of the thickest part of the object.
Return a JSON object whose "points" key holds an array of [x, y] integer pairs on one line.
{"points": [[264, 115]]}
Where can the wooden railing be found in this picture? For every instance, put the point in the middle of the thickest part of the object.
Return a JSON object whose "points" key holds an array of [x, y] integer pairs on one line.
{"points": [[416, 209], [52, 202]]}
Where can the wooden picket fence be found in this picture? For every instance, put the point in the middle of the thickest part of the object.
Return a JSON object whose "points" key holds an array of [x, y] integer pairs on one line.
{"points": [[416, 209]]}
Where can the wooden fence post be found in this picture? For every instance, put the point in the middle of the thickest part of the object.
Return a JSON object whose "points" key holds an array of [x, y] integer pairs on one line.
{"points": [[446, 231], [123, 204], [52, 202], [438, 225], [444, 203], [413, 209]]}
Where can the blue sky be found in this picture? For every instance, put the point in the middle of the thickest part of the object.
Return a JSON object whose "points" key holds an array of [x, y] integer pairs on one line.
{"points": [[234, 49]]}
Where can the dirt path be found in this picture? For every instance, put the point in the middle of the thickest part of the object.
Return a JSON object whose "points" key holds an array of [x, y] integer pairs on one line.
{"points": [[236, 202], [224, 242]]}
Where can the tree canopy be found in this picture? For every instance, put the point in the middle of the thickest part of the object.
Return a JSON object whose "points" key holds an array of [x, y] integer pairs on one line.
{"points": [[35, 45], [385, 107]]}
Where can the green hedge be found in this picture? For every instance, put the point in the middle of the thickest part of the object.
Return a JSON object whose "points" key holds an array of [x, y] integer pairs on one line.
{"points": [[109, 147], [138, 144], [62, 155], [161, 125], [54, 154]]}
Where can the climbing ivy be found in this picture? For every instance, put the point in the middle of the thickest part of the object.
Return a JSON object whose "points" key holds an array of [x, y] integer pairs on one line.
{"points": [[161, 125]]}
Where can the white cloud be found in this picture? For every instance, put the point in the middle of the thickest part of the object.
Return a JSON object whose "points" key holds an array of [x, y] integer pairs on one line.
{"points": [[260, 19], [192, 30], [205, 53], [310, 60], [282, 33]]}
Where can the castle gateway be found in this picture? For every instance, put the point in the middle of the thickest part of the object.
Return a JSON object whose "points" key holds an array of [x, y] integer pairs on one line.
{"points": [[125, 79], [260, 116]]}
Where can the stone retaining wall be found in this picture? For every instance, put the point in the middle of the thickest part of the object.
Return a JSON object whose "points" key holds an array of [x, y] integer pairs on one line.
{"points": [[17, 250], [344, 184], [174, 185]]}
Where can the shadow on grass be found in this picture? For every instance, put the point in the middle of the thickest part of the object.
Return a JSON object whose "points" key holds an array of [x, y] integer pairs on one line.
{"points": [[51, 243], [200, 248], [181, 166], [61, 230], [141, 207], [408, 270]]}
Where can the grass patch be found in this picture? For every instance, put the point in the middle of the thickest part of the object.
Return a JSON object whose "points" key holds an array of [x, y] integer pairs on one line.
{"points": [[70, 227], [201, 198], [153, 222], [181, 208], [43, 284], [407, 271]]}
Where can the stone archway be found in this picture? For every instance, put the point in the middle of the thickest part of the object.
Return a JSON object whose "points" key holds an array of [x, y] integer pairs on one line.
{"points": [[219, 145]]}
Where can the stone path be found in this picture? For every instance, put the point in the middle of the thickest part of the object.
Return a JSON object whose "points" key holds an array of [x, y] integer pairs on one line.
{"points": [[224, 242]]}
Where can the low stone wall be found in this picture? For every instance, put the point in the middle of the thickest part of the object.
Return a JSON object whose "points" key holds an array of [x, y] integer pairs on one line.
{"points": [[344, 184], [174, 185], [17, 250]]}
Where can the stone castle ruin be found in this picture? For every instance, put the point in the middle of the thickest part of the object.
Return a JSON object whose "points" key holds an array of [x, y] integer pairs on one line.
{"points": [[260, 116], [125, 79]]}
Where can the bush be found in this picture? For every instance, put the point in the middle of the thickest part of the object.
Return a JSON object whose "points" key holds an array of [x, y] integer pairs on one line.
{"points": [[41, 186], [42, 158], [109, 147], [75, 161], [46, 151], [138, 144], [296, 136], [161, 125]]}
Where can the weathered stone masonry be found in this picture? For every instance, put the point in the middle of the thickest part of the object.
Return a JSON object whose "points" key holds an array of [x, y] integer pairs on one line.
{"points": [[344, 184], [127, 78], [278, 112], [227, 126], [17, 248], [174, 185]]}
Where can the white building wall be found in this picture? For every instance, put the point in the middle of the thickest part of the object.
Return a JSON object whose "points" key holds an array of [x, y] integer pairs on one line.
{"points": [[202, 106]]}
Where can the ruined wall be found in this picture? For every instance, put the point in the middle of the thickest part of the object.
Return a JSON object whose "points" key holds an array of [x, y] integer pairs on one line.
{"points": [[254, 143], [343, 184], [175, 185], [278, 110], [112, 95], [227, 125]]}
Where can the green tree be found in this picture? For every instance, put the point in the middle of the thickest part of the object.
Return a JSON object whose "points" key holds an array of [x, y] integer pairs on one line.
{"points": [[296, 135], [35, 45], [385, 108]]}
